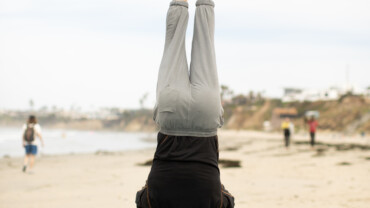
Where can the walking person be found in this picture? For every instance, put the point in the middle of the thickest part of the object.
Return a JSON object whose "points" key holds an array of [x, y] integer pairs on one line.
{"points": [[288, 129], [188, 110], [31, 131], [312, 123]]}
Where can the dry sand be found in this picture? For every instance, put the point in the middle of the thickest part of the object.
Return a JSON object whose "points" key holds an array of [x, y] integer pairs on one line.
{"points": [[270, 176]]}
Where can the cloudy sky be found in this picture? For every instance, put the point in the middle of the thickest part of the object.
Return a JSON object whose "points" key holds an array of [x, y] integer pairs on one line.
{"points": [[106, 53]]}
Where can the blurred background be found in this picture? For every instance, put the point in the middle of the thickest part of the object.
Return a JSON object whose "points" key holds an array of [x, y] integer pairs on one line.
{"points": [[88, 71]]}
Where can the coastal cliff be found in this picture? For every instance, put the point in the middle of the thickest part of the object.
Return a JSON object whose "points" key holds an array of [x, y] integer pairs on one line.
{"points": [[350, 114]]}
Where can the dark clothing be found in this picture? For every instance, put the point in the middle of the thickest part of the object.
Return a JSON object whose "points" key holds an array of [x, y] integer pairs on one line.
{"points": [[185, 174], [30, 149], [312, 134], [287, 137]]}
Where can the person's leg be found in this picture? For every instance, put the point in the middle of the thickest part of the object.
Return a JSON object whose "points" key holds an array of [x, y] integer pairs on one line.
{"points": [[25, 162], [32, 156], [285, 140], [206, 109], [203, 69], [312, 135], [174, 68], [313, 139], [32, 161]]}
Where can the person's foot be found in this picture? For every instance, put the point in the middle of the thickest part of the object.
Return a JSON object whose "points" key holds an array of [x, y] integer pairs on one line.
{"points": [[24, 168]]}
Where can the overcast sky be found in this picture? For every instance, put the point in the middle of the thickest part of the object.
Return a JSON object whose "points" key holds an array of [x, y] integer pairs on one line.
{"points": [[106, 53]]}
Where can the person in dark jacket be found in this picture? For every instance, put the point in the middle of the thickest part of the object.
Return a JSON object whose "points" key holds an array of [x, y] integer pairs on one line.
{"points": [[188, 111]]}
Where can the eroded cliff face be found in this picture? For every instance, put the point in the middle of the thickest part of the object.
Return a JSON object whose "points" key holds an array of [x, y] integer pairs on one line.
{"points": [[137, 124], [252, 117], [133, 120], [350, 114]]}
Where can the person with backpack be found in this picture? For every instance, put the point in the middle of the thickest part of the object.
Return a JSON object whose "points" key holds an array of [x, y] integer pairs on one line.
{"points": [[31, 131], [188, 111]]}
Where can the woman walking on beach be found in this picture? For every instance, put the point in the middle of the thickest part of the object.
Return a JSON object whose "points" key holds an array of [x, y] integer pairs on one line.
{"points": [[31, 130], [188, 110]]}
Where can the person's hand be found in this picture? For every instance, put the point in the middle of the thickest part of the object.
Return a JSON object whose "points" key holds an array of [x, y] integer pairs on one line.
{"points": [[24, 144], [42, 144]]}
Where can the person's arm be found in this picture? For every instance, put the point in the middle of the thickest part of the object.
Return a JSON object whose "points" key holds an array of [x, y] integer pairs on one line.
{"points": [[39, 134], [42, 141], [23, 140], [291, 128]]}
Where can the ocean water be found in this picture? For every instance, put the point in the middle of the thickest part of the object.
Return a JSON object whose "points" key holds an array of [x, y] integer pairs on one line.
{"points": [[72, 141]]}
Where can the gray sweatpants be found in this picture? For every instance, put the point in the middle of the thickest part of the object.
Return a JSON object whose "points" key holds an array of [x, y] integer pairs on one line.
{"points": [[189, 105]]}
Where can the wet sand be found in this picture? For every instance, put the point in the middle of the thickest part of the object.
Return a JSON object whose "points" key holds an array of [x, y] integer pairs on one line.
{"points": [[334, 175]]}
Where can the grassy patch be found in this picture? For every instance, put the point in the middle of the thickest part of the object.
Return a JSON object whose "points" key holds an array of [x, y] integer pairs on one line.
{"points": [[344, 163], [229, 163], [147, 163]]}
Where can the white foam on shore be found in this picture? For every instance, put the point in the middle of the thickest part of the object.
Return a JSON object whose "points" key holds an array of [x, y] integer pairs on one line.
{"points": [[72, 141]]}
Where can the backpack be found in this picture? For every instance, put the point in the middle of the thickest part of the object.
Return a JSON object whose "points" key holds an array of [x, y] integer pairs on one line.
{"points": [[29, 134]]}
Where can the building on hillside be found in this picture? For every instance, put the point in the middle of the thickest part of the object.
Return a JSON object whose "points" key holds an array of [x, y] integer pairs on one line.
{"points": [[292, 94], [279, 114], [300, 95], [332, 93]]}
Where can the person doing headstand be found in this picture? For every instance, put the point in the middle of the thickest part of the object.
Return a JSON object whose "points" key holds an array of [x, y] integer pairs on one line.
{"points": [[188, 111]]}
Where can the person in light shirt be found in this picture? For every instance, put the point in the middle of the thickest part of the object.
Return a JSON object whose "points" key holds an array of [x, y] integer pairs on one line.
{"points": [[31, 131]]}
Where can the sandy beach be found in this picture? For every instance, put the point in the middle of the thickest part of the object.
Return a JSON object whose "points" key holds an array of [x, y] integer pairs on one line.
{"points": [[334, 175]]}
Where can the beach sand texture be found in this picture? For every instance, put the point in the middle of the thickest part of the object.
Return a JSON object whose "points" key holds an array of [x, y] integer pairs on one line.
{"points": [[269, 176]]}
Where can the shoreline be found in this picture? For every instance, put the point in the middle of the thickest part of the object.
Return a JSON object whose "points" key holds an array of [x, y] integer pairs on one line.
{"points": [[323, 139]]}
